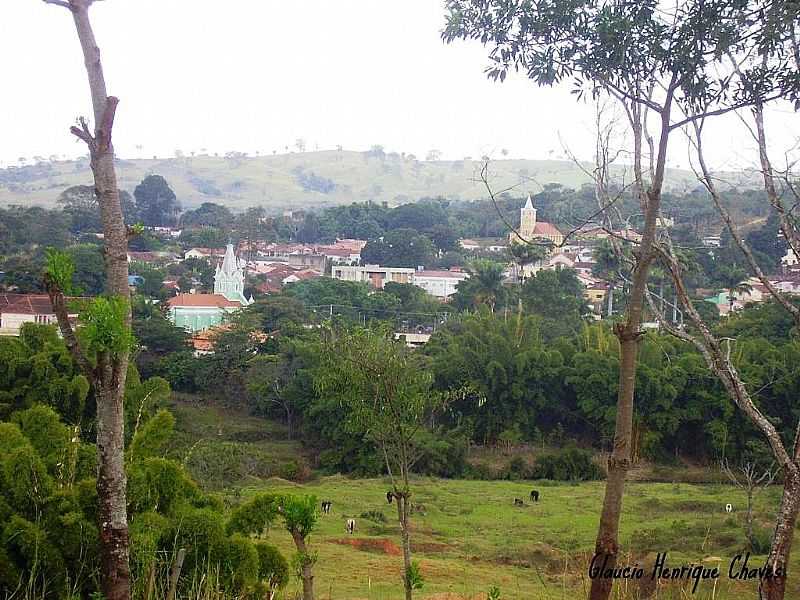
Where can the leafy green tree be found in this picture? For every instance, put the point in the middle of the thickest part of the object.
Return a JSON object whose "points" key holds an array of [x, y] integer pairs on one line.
{"points": [[556, 296], [156, 203], [208, 214], [386, 391], [484, 286], [89, 275], [399, 248], [300, 518]]}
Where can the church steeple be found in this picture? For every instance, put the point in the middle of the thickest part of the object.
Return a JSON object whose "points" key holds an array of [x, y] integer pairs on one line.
{"points": [[527, 219], [229, 277]]}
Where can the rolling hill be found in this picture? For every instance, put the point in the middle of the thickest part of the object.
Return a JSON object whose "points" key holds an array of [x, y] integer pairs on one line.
{"points": [[307, 179]]}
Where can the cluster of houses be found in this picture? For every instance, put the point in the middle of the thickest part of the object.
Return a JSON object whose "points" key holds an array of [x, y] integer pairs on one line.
{"points": [[267, 267]]}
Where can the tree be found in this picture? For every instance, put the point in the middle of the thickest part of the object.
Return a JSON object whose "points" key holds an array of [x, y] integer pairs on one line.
{"points": [[267, 377], [399, 248], [208, 214], [753, 474], [156, 203], [300, 517], [89, 278], [650, 60], [80, 203], [108, 320], [484, 286], [386, 392], [732, 278]]}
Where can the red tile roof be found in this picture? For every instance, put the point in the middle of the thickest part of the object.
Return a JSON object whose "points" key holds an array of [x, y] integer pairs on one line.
{"points": [[547, 229], [26, 304], [203, 300]]}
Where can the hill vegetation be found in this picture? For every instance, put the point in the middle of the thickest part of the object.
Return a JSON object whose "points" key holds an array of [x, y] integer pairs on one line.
{"points": [[307, 179]]}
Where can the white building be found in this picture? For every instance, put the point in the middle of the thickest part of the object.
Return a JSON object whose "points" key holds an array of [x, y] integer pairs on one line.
{"points": [[375, 275], [440, 284], [18, 309]]}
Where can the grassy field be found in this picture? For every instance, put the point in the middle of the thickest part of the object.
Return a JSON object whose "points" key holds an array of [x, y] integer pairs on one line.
{"points": [[468, 536], [471, 537], [273, 181]]}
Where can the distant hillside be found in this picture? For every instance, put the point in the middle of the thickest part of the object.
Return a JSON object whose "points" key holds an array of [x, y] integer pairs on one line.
{"points": [[307, 179]]}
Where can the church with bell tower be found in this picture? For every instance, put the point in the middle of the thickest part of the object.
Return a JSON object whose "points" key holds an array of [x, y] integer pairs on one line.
{"points": [[530, 228]]}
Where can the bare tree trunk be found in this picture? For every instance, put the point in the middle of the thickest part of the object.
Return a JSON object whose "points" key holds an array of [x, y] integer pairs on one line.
{"points": [[306, 573], [629, 333], [774, 588], [405, 537], [108, 377]]}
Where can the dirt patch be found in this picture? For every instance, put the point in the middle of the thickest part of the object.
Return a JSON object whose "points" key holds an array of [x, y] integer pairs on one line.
{"points": [[429, 547], [452, 596], [379, 545]]}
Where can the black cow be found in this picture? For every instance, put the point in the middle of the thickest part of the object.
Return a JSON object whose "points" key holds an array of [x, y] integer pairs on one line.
{"points": [[326, 507], [518, 502], [389, 496], [535, 496]]}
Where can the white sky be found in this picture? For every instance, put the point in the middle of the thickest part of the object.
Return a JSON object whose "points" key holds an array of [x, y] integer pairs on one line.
{"points": [[255, 75]]}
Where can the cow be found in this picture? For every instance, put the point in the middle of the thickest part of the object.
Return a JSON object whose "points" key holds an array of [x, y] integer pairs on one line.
{"points": [[518, 502], [535, 496], [351, 526], [326, 507], [728, 508], [389, 496]]}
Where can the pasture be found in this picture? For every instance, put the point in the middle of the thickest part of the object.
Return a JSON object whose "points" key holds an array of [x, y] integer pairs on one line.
{"points": [[471, 537]]}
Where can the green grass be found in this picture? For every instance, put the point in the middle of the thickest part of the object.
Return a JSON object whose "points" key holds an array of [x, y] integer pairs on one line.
{"points": [[270, 181], [471, 536]]}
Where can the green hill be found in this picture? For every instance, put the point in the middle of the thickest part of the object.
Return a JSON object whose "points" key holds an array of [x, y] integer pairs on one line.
{"points": [[307, 179]]}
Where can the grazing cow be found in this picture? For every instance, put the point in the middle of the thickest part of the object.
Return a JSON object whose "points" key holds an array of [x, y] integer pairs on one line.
{"points": [[389, 497], [326, 507], [728, 508], [518, 502], [535, 496], [351, 526]]}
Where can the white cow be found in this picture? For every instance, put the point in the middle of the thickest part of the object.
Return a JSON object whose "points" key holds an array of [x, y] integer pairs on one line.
{"points": [[351, 526]]}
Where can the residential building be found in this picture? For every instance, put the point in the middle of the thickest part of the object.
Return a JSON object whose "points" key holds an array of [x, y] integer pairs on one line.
{"points": [[18, 309], [376, 276], [440, 284]]}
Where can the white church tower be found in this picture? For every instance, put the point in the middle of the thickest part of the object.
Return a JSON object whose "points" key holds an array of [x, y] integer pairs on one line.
{"points": [[527, 224], [229, 278]]}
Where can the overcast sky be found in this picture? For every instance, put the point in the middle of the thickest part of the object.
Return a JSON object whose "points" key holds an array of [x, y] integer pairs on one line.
{"points": [[255, 75]]}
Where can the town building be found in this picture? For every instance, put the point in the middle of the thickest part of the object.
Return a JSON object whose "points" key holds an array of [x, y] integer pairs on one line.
{"points": [[18, 309], [440, 284], [196, 312], [532, 229], [376, 276]]}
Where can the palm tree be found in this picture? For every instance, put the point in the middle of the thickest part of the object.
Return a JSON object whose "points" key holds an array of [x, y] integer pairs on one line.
{"points": [[486, 282], [733, 280]]}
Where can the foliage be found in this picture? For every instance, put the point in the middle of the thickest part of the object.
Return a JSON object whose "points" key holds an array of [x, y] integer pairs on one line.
{"points": [[569, 464], [156, 203], [105, 326]]}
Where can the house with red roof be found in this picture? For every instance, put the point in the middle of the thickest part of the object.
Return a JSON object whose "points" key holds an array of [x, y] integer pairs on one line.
{"points": [[18, 309]]}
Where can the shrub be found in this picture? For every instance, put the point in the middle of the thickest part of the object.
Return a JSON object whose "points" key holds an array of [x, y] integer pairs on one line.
{"points": [[374, 515], [569, 464], [273, 569]]}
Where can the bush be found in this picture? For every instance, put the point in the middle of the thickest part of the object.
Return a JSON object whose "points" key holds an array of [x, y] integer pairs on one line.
{"points": [[443, 455], [569, 464], [374, 515], [518, 468], [273, 569]]}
